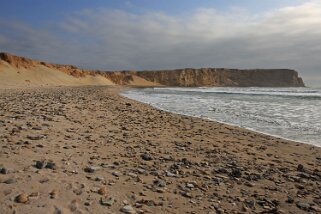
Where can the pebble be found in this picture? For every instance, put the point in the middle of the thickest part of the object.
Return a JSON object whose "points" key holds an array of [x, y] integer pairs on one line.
{"points": [[4, 170], [146, 157], [107, 202], [22, 198], [128, 209], [51, 165], [116, 174], [10, 181], [160, 183], [91, 169], [102, 191], [40, 164], [35, 137], [53, 194], [169, 174], [303, 206]]}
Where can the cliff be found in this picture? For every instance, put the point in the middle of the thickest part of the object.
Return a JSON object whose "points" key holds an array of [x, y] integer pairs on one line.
{"points": [[224, 77], [188, 77]]}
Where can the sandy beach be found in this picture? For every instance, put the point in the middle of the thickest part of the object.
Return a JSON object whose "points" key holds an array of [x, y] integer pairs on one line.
{"points": [[89, 150]]}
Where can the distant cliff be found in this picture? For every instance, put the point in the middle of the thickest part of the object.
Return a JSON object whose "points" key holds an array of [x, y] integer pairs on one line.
{"points": [[213, 77], [188, 77]]}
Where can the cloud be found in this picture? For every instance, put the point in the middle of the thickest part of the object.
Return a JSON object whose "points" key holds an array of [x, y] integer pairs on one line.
{"points": [[288, 37]]}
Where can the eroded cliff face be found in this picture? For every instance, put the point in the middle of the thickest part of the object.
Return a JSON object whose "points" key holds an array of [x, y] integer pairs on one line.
{"points": [[224, 77], [188, 77]]}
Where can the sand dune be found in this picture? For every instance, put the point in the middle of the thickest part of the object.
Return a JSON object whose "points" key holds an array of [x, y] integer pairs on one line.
{"points": [[40, 75]]}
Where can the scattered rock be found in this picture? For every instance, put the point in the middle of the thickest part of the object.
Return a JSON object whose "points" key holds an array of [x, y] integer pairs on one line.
{"points": [[4, 170], [91, 169], [300, 168], [10, 181], [107, 202], [35, 137], [160, 183], [146, 157], [53, 194], [51, 165], [236, 173], [22, 198], [303, 206], [102, 191], [128, 209], [40, 164]]}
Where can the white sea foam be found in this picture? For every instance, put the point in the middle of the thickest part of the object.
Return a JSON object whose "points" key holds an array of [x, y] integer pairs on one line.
{"points": [[292, 113]]}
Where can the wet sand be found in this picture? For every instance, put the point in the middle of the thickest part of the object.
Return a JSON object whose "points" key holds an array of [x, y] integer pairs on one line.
{"points": [[90, 150]]}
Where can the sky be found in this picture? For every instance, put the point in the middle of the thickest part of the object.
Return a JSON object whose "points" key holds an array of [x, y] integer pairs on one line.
{"points": [[150, 34]]}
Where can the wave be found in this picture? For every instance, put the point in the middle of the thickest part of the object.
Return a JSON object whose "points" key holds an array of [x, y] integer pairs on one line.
{"points": [[299, 93]]}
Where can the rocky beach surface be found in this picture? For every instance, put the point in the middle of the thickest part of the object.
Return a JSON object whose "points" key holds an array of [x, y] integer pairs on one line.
{"points": [[90, 150]]}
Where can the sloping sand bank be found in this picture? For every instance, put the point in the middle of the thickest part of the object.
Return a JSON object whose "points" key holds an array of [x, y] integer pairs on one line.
{"points": [[40, 75]]}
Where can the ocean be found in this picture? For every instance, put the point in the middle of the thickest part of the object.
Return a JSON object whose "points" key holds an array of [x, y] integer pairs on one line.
{"points": [[290, 113]]}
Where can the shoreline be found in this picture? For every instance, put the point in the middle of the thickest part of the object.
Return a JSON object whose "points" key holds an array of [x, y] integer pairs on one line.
{"points": [[107, 151], [217, 121]]}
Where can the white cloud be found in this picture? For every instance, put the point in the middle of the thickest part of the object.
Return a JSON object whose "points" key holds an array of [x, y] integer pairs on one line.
{"points": [[288, 37]]}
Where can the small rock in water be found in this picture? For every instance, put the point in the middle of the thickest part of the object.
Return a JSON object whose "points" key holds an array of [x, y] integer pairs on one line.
{"points": [[128, 209], [22, 198]]}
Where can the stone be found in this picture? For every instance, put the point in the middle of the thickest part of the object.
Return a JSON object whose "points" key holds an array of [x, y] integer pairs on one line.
{"points": [[169, 174], [22, 198], [107, 202], [116, 174], [186, 194], [236, 173], [102, 191], [189, 185], [4, 170], [51, 165], [303, 206], [300, 168], [133, 175], [316, 208], [160, 183], [91, 169], [40, 164], [128, 209], [35, 137], [146, 157], [10, 181], [53, 194]]}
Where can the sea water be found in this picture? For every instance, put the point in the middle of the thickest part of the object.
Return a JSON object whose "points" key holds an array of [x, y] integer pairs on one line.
{"points": [[291, 113]]}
